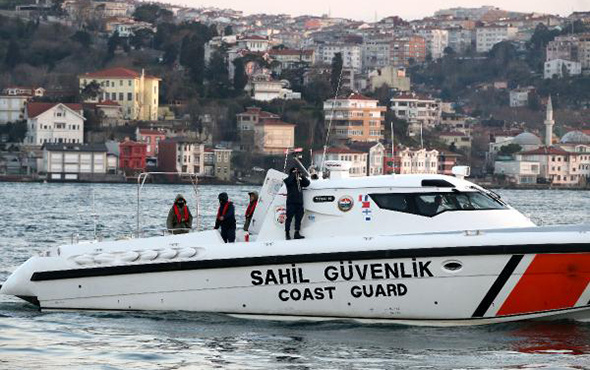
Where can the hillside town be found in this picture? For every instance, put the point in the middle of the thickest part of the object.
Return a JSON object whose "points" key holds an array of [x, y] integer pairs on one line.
{"points": [[104, 90]]}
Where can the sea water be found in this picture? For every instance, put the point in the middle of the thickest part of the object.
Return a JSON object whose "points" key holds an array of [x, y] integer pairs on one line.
{"points": [[34, 217]]}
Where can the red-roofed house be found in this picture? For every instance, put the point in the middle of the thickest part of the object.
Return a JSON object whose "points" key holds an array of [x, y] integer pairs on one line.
{"points": [[355, 118], [264, 132], [254, 43], [137, 93], [54, 123]]}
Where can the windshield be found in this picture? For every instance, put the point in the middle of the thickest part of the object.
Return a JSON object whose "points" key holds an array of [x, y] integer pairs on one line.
{"points": [[432, 204]]}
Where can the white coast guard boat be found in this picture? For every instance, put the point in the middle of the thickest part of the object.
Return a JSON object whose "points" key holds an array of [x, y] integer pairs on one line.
{"points": [[414, 249]]}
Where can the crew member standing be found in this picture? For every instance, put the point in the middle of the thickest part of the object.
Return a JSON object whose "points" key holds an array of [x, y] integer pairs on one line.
{"points": [[295, 184], [179, 220], [226, 219], [251, 208]]}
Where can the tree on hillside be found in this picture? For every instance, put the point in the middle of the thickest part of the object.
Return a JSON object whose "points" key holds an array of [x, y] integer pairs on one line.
{"points": [[141, 38], [240, 77], [147, 13], [228, 30], [170, 54], [83, 38], [13, 56], [217, 76], [112, 44], [336, 72]]}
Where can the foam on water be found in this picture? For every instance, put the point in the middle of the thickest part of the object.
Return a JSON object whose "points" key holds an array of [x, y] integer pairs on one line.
{"points": [[34, 217]]}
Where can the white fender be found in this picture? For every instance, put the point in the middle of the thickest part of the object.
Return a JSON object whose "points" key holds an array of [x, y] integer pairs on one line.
{"points": [[104, 258], [129, 256], [168, 253], [187, 252], [149, 255]]}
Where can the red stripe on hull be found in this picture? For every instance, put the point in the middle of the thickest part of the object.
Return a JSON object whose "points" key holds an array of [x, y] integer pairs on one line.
{"points": [[552, 281]]}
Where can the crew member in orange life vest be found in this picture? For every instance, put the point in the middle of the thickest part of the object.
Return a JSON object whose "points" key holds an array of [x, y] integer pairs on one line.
{"points": [[179, 220], [251, 208], [226, 219]]}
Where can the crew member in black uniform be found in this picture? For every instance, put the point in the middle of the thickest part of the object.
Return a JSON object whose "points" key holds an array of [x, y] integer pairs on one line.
{"points": [[295, 184], [226, 219]]}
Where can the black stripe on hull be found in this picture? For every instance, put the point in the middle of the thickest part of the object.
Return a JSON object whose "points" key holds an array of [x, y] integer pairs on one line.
{"points": [[497, 286], [311, 258]]}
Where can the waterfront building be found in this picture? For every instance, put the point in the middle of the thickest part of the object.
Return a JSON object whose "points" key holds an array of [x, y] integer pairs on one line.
{"points": [[54, 123], [355, 118], [132, 156], [356, 158], [151, 138], [13, 100], [418, 161], [137, 93], [222, 163], [375, 154], [446, 161], [264, 132], [181, 154], [74, 162]]}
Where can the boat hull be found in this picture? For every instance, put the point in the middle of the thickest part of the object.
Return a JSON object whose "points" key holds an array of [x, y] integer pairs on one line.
{"points": [[417, 289]]}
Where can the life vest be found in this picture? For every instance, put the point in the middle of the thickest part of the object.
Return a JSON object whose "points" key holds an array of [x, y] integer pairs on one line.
{"points": [[251, 208], [221, 212], [181, 217]]}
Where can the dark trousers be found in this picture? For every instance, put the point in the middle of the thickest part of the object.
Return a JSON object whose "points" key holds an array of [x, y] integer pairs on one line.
{"points": [[228, 235], [294, 210]]}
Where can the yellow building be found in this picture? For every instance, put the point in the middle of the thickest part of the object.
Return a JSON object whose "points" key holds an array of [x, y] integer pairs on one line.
{"points": [[355, 118], [136, 92]]}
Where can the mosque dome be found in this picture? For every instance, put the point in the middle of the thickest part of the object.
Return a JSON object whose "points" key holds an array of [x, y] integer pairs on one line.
{"points": [[526, 138], [575, 137]]}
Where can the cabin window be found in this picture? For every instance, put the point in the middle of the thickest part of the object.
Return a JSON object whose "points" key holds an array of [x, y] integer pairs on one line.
{"points": [[432, 204]]}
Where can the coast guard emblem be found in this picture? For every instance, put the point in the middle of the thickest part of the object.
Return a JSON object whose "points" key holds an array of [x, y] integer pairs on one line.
{"points": [[345, 203], [280, 215]]}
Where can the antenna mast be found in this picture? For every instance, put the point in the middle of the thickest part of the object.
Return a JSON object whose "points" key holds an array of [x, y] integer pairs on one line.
{"points": [[331, 118]]}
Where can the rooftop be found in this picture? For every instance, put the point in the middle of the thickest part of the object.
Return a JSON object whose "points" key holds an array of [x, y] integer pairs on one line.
{"points": [[75, 147], [116, 72], [36, 108]]}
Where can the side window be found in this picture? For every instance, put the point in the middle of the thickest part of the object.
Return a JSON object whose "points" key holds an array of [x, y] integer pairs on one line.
{"points": [[393, 202]]}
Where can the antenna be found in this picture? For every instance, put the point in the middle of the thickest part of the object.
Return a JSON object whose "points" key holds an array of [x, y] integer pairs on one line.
{"points": [[331, 118]]}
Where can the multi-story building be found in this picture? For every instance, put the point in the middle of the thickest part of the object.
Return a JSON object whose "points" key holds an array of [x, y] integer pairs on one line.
{"points": [[54, 123], [461, 39], [520, 172], [136, 92], [413, 107], [222, 163], [376, 53], [563, 47], [418, 161], [13, 100], [73, 162], [405, 50], [488, 36], [520, 97], [560, 68], [436, 41], [352, 54], [151, 138], [264, 132], [459, 140], [132, 156], [292, 58], [355, 118], [181, 154], [394, 77], [267, 90], [446, 161], [556, 165], [356, 158], [375, 154]]}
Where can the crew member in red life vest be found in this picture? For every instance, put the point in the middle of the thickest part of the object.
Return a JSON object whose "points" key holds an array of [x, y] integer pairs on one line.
{"points": [[226, 219], [179, 220], [251, 208]]}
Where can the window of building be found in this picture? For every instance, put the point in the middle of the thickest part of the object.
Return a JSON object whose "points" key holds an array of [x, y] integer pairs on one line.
{"points": [[129, 96], [121, 96]]}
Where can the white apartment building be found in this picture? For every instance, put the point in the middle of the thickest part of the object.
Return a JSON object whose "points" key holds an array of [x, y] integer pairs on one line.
{"points": [[375, 157], [352, 54], [54, 123], [254, 43], [575, 48], [13, 100], [436, 41], [356, 158], [556, 67], [520, 172], [412, 107], [264, 90], [418, 161], [488, 36], [519, 97]]}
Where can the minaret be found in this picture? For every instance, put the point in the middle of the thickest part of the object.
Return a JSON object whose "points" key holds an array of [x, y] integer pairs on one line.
{"points": [[549, 122]]}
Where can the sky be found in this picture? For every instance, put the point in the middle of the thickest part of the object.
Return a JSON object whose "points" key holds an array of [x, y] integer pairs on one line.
{"points": [[368, 10]]}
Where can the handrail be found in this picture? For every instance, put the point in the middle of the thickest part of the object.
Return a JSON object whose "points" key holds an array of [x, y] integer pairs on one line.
{"points": [[141, 179]]}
